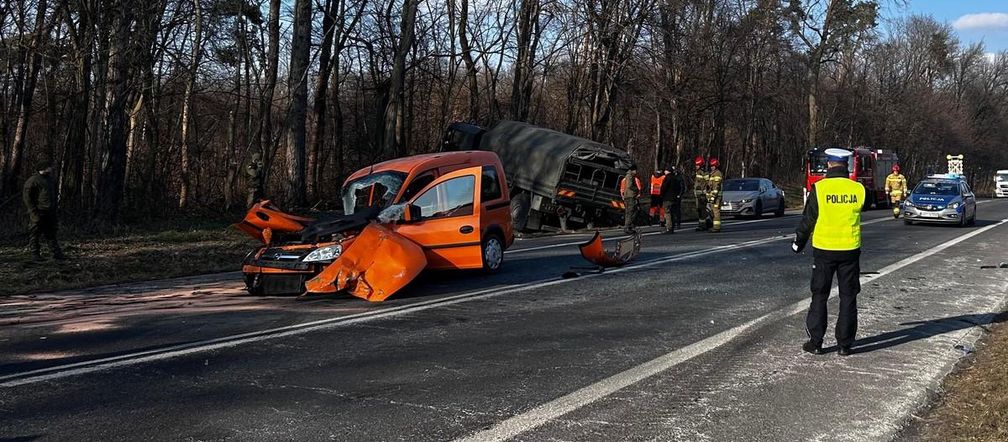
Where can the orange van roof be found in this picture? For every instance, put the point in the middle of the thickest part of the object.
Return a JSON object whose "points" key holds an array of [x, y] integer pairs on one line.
{"points": [[429, 160]]}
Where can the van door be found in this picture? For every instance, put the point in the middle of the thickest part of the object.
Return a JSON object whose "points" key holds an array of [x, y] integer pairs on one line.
{"points": [[448, 226]]}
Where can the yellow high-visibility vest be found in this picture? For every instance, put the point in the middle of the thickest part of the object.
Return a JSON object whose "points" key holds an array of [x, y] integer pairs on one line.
{"points": [[838, 227]]}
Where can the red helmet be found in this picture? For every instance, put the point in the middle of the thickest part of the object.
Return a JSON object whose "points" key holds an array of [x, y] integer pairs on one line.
{"points": [[895, 168], [698, 160], [714, 162]]}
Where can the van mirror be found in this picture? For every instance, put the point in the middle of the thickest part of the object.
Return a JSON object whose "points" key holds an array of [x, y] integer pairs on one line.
{"points": [[411, 214]]}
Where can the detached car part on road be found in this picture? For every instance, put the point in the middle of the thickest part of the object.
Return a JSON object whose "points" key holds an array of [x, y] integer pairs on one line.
{"points": [[439, 211], [941, 199]]}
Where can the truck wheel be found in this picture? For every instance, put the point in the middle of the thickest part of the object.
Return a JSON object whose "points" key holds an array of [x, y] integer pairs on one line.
{"points": [[780, 209], [520, 205], [493, 253]]}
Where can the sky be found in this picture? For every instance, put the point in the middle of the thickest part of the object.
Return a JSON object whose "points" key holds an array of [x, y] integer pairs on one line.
{"points": [[974, 20]]}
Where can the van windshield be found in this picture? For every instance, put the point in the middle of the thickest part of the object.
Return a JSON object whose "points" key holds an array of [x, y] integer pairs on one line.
{"points": [[377, 189]]}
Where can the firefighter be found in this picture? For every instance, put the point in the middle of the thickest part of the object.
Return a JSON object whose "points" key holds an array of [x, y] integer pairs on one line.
{"points": [[656, 212], [714, 179], [630, 188], [896, 188], [40, 201], [700, 192], [671, 195], [832, 219], [254, 171]]}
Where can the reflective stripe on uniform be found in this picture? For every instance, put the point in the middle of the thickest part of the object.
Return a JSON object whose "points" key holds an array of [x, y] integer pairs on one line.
{"points": [[838, 227]]}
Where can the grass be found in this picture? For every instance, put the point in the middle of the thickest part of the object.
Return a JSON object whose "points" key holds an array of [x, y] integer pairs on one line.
{"points": [[126, 255], [974, 406]]}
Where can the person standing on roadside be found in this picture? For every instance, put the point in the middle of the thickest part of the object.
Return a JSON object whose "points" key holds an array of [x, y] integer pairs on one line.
{"points": [[714, 180], [254, 172], [671, 194], [630, 188], [832, 219], [700, 192], [655, 213], [40, 201]]}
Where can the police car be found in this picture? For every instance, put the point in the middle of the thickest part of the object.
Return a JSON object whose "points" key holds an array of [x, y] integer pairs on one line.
{"points": [[941, 199]]}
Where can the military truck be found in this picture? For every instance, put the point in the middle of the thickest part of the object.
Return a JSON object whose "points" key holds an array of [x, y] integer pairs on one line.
{"points": [[555, 178]]}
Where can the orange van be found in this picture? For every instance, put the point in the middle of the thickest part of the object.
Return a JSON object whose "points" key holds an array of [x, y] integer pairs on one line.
{"points": [[452, 206]]}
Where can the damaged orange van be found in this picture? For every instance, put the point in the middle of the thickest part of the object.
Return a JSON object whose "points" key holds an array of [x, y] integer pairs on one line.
{"points": [[437, 211]]}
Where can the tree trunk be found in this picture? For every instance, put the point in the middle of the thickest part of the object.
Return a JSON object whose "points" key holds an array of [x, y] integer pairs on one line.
{"points": [[186, 139], [524, 67], [394, 109], [12, 166], [467, 58], [298, 83], [113, 164], [320, 105]]}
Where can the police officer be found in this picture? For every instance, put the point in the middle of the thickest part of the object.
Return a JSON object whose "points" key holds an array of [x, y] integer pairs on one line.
{"points": [[630, 188], [832, 219], [714, 179], [254, 171], [896, 188], [40, 200], [671, 195], [700, 192]]}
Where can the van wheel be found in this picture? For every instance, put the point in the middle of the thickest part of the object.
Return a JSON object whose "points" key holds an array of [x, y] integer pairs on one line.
{"points": [[493, 253], [520, 205]]}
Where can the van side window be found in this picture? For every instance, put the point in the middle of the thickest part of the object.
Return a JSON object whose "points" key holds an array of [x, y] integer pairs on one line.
{"points": [[417, 184], [490, 186], [450, 198]]}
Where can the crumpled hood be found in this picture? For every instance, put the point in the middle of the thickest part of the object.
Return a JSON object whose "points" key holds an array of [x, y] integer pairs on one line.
{"points": [[739, 195]]}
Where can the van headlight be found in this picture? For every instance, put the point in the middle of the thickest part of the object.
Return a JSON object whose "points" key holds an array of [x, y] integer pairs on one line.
{"points": [[327, 253]]}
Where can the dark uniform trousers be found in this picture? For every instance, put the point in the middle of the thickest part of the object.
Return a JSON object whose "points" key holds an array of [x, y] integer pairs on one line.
{"points": [[847, 267], [44, 226]]}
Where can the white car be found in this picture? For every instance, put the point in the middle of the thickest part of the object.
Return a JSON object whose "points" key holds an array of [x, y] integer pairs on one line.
{"points": [[1001, 184]]}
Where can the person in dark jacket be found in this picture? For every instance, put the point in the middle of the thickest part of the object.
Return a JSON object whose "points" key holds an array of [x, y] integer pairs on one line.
{"points": [[832, 220], [254, 172], [671, 194], [40, 201]]}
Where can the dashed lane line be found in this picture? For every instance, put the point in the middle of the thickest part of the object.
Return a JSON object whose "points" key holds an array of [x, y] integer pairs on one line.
{"points": [[551, 410]]}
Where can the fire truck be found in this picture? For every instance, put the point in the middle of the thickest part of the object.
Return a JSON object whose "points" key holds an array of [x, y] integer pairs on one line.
{"points": [[867, 166]]}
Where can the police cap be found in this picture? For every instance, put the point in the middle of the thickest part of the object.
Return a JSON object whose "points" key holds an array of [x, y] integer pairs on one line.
{"points": [[838, 155]]}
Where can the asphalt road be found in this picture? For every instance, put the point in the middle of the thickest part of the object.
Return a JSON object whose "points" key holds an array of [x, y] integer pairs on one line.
{"points": [[698, 339]]}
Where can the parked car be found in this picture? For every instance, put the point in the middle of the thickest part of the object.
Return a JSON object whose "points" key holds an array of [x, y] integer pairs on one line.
{"points": [[438, 211], [941, 199], [751, 197]]}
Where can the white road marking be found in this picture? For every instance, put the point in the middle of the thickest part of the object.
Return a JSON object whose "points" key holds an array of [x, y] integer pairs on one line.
{"points": [[544, 413], [577, 243], [62, 371], [83, 367]]}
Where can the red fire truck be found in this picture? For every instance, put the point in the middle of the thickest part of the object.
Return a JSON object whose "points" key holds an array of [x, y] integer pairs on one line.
{"points": [[868, 166]]}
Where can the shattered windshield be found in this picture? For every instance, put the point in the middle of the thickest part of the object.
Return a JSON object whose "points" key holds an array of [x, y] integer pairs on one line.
{"points": [[377, 189], [937, 188]]}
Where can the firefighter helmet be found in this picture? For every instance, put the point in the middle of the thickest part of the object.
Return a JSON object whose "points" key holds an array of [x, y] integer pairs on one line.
{"points": [[699, 160], [895, 168], [714, 162]]}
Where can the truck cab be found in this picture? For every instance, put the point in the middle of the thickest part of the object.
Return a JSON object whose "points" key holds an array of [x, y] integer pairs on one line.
{"points": [[1001, 184]]}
